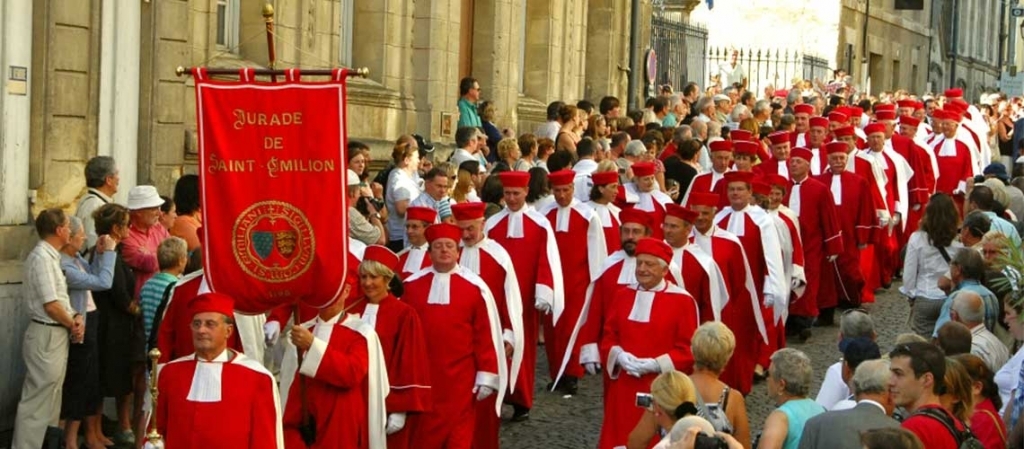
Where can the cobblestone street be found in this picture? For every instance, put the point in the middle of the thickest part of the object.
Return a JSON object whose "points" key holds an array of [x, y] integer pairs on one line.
{"points": [[575, 422]]}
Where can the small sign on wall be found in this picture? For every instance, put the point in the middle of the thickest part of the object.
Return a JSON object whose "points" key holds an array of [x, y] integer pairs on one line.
{"points": [[17, 81], [447, 119]]}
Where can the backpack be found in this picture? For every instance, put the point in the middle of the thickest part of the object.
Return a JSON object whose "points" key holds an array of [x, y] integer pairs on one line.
{"points": [[965, 439]]}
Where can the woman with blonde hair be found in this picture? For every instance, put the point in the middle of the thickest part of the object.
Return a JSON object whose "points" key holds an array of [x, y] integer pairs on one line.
{"points": [[510, 156], [986, 423], [672, 398], [959, 395], [713, 345]]}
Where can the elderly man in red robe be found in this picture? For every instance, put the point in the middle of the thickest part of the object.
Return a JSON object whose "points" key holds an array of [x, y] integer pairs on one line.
{"points": [[817, 136], [792, 252], [822, 241], [922, 184], [217, 396], [852, 198], [464, 345], [711, 182], [602, 196], [174, 338], [693, 269], [581, 247], [743, 312], [492, 263], [760, 240], [414, 257], [530, 242], [802, 113], [643, 194], [652, 307], [956, 164], [778, 164], [892, 175]]}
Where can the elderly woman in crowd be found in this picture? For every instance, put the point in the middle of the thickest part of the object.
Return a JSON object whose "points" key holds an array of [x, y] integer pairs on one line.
{"points": [[986, 423], [635, 152], [121, 341], [402, 188], [510, 156], [81, 393], [713, 345], [789, 381], [929, 251], [673, 397]]}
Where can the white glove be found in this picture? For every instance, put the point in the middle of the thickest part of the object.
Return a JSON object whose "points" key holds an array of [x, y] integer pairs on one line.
{"points": [[833, 257], [649, 366], [543, 307], [271, 331], [895, 220], [916, 207], [769, 299], [629, 363], [795, 283], [592, 368], [482, 392], [396, 421]]}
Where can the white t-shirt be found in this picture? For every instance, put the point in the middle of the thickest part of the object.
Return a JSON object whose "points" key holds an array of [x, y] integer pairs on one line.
{"points": [[1008, 376], [730, 74], [401, 187]]}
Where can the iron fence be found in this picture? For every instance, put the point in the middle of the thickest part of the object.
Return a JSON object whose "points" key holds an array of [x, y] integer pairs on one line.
{"points": [[762, 67], [681, 48]]}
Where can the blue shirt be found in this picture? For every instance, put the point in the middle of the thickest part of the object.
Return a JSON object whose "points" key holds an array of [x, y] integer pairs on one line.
{"points": [[992, 306], [150, 296], [797, 412], [468, 115], [83, 277], [1003, 226]]}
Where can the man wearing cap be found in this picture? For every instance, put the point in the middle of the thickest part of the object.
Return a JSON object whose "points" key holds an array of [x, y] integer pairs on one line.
{"points": [[922, 183], [803, 114], [693, 269], [775, 188], [530, 242], [743, 312], [893, 175], [414, 257], [970, 133], [217, 396], [492, 263], [756, 231], [643, 194], [911, 127], [582, 250], [144, 234], [602, 197], [721, 160], [781, 146], [970, 111], [822, 243], [955, 159], [463, 330], [741, 138], [746, 154], [652, 307], [817, 136]]}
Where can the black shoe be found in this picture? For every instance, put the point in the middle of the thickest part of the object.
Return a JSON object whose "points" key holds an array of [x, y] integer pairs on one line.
{"points": [[520, 413], [569, 385], [805, 335]]}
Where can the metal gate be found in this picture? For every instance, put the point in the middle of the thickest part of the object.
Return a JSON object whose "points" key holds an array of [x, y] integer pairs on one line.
{"points": [[681, 49], [777, 67]]}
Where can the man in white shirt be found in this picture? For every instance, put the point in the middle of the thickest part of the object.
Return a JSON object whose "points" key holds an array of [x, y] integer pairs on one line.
{"points": [[855, 323], [732, 71], [969, 310], [467, 149], [102, 179]]}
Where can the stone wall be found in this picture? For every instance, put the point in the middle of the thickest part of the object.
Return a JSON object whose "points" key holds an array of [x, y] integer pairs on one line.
{"points": [[897, 47]]}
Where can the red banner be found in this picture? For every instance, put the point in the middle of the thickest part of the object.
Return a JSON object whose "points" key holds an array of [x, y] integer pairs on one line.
{"points": [[272, 185]]}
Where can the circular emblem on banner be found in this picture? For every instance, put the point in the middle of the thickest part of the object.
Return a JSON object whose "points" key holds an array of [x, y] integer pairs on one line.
{"points": [[273, 241]]}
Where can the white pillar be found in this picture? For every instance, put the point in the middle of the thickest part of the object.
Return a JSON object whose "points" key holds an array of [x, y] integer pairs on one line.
{"points": [[15, 103], [119, 89]]}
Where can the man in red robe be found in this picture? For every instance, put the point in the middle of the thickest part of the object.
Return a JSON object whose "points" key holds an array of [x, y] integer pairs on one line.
{"points": [[803, 113], [892, 174], [530, 242], [921, 185], [414, 257], [693, 269], [492, 263], [792, 253], [741, 135], [710, 182], [760, 240], [822, 242], [852, 198], [745, 153], [632, 357], [174, 338], [953, 157], [606, 185], [463, 337], [216, 396], [816, 139], [777, 165], [582, 250], [643, 194], [743, 312]]}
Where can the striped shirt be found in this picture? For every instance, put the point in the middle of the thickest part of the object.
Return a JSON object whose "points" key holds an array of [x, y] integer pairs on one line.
{"points": [[150, 296], [45, 282]]}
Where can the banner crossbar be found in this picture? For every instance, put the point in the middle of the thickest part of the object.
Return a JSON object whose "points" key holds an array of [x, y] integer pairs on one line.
{"points": [[361, 72]]}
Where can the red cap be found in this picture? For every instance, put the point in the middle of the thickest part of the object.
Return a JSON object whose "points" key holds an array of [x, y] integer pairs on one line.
{"points": [[604, 177], [820, 122], [856, 111], [518, 179], [953, 92], [803, 108], [906, 104], [703, 199], [654, 247], [680, 212], [885, 115], [718, 145], [874, 128], [845, 131], [739, 176], [746, 147], [845, 110], [837, 117], [468, 211], [802, 153], [939, 114], [425, 214], [884, 107], [641, 169], [947, 114], [561, 178], [919, 105], [445, 231], [635, 216], [761, 188], [776, 180], [382, 255], [909, 121], [212, 302], [781, 93], [738, 135], [837, 147], [779, 137], [956, 106]]}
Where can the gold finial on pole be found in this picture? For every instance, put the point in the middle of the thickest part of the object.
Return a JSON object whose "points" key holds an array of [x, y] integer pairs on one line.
{"points": [[153, 438], [268, 17]]}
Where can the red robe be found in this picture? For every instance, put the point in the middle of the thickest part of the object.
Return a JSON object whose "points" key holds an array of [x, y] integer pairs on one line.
{"points": [[408, 258], [174, 339], [405, 356], [243, 413], [857, 222], [707, 183], [463, 337], [696, 272], [743, 312], [772, 167], [955, 166], [922, 184], [860, 165], [821, 238], [530, 242], [652, 202], [897, 175], [619, 270], [665, 311], [793, 266], [609, 215], [822, 160]]}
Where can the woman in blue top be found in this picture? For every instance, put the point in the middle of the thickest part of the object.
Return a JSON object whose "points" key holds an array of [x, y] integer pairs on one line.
{"points": [[81, 399], [789, 382]]}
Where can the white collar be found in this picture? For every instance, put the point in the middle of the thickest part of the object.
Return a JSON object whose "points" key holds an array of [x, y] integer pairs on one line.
{"points": [[224, 356], [876, 404]]}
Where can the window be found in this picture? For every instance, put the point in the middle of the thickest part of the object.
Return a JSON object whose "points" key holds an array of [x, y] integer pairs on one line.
{"points": [[227, 24]]}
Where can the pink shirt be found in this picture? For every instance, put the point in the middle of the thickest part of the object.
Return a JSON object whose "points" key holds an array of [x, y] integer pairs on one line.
{"points": [[139, 251]]}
